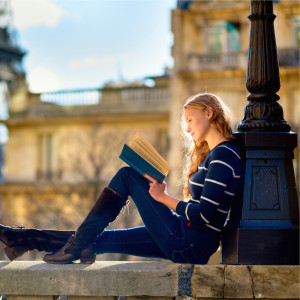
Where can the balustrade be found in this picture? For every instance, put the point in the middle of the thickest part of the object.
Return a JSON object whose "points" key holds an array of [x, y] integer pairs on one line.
{"points": [[288, 57]]}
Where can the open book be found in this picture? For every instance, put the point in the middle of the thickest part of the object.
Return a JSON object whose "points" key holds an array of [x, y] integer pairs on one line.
{"points": [[142, 157]]}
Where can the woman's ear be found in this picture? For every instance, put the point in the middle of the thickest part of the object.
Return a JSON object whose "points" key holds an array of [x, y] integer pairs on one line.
{"points": [[209, 112]]}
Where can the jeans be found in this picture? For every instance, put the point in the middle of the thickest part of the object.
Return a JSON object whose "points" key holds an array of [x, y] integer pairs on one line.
{"points": [[161, 237]]}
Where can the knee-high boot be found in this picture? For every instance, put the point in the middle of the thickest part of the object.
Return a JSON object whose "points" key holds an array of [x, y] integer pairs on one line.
{"points": [[105, 210], [20, 240]]}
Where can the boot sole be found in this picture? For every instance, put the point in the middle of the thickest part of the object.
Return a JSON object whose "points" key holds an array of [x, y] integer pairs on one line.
{"points": [[58, 263], [88, 262]]}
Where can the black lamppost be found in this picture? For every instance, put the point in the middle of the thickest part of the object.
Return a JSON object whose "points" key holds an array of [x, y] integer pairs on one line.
{"points": [[264, 222]]}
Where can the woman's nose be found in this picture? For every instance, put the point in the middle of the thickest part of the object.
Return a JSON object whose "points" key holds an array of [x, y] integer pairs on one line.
{"points": [[188, 129]]}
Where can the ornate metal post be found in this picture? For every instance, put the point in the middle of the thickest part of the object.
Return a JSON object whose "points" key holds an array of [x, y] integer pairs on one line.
{"points": [[264, 222]]}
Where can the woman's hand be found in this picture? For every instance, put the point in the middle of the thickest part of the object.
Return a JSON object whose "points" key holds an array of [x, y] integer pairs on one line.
{"points": [[157, 190]]}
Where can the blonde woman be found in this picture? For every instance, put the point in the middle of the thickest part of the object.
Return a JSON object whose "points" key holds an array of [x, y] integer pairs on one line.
{"points": [[182, 231]]}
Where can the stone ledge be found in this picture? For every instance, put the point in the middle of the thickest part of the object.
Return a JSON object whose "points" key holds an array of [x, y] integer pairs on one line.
{"points": [[245, 282], [154, 279], [101, 279]]}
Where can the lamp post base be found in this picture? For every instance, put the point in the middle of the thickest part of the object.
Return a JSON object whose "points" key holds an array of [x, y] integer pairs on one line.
{"points": [[260, 246], [263, 226]]}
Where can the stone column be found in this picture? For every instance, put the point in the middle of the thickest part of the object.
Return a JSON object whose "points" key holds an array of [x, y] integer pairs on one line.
{"points": [[263, 227]]}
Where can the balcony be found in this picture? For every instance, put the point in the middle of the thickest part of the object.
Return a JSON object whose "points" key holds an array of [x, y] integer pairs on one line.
{"points": [[73, 97], [236, 60], [217, 61], [142, 95], [94, 102]]}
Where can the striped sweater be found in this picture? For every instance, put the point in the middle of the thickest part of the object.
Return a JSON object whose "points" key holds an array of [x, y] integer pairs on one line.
{"points": [[213, 187]]}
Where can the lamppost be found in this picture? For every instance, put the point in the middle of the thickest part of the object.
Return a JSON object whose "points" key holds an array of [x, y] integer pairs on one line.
{"points": [[264, 222]]}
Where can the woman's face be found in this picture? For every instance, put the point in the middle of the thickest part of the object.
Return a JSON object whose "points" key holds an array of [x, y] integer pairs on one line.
{"points": [[197, 123]]}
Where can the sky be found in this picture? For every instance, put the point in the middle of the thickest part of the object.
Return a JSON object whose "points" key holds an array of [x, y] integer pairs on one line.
{"points": [[73, 44]]}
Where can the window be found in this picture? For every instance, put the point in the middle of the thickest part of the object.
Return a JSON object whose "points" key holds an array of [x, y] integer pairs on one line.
{"points": [[223, 37], [47, 157], [296, 32]]}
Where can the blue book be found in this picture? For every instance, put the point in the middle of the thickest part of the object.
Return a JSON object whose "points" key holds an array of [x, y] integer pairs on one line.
{"points": [[147, 161]]}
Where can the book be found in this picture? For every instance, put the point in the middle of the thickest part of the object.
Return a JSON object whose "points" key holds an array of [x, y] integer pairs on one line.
{"points": [[143, 158]]}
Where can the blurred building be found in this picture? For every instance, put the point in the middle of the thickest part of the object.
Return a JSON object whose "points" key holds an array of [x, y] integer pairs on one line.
{"points": [[210, 47], [1, 163], [64, 146], [11, 71]]}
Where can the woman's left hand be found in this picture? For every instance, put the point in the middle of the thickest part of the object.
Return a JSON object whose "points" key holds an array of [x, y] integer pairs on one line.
{"points": [[157, 190]]}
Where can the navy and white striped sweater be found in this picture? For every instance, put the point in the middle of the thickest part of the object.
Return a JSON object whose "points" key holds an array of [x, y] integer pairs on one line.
{"points": [[213, 187]]}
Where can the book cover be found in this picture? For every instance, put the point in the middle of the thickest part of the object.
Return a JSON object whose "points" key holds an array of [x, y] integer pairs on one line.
{"points": [[139, 164]]}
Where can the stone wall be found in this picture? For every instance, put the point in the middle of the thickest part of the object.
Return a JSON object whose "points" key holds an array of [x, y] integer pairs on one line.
{"points": [[147, 280]]}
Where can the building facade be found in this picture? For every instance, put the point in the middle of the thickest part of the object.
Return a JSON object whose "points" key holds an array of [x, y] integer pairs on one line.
{"points": [[210, 47], [59, 155]]}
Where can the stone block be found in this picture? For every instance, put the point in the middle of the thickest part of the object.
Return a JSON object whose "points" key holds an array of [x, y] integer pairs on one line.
{"points": [[8, 297], [237, 282], [207, 281], [278, 282], [245, 282], [99, 279], [149, 298], [91, 298]]}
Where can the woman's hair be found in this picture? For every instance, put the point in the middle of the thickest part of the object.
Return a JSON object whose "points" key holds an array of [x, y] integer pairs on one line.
{"points": [[197, 151]]}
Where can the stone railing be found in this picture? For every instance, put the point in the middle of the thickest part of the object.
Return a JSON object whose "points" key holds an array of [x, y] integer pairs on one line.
{"points": [[73, 97], [141, 94], [288, 57], [163, 280], [217, 61]]}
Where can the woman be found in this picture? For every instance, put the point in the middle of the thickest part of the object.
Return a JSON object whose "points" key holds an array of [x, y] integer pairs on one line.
{"points": [[191, 235]]}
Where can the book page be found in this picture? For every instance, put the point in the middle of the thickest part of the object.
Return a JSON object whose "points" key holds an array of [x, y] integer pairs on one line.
{"points": [[141, 146], [152, 152], [145, 154], [148, 152], [144, 144]]}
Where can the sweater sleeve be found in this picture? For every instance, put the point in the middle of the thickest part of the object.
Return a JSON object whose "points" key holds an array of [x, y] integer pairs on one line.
{"points": [[222, 168]]}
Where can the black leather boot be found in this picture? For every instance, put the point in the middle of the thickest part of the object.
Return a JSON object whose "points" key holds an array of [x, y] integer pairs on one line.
{"points": [[105, 210], [20, 240]]}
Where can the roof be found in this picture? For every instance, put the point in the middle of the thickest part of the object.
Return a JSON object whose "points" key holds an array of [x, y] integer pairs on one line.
{"points": [[184, 4]]}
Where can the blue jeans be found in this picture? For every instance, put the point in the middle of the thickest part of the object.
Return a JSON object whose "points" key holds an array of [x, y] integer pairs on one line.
{"points": [[161, 237]]}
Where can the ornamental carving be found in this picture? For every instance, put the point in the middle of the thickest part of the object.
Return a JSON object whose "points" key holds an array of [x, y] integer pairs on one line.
{"points": [[265, 189], [265, 116], [254, 85]]}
